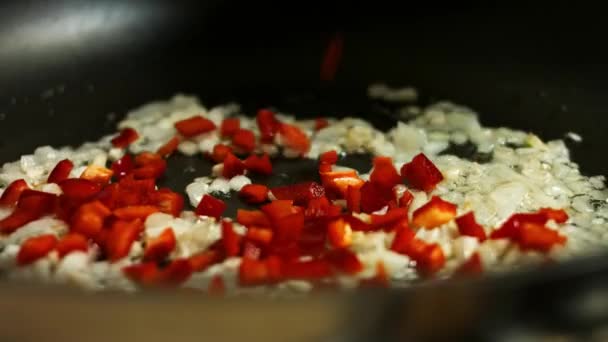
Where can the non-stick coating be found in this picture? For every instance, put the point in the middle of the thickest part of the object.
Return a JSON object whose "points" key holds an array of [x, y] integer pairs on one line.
{"points": [[69, 69]]}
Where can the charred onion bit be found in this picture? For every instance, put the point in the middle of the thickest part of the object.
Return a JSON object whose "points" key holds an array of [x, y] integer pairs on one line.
{"points": [[159, 248], [244, 140], [169, 147], [125, 138], [384, 173], [254, 193], [194, 126], [471, 267], [123, 166], [259, 164], [121, 236], [469, 227], [434, 213], [31, 206], [294, 138], [233, 166], [230, 126], [61, 171], [35, 248], [421, 173], [210, 206], [300, 193], [11, 194], [267, 124], [72, 243], [530, 232]]}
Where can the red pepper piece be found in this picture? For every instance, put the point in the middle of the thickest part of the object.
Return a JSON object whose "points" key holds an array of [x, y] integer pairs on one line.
{"points": [[146, 273], [329, 157], [288, 228], [278, 209], [159, 248], [125, 137], [253, 272], [149, 166], [167, 201], [251, 250], [244, 140], [194, 126], [294, 138], [11, 194], [374, 198], [61, 171], [339, 181], [177, 272], [233, 166], [220, 151], [339, 233], [511, 228], [332, 57], [313, 238], [231, 241], [252, 218], [321, 123], [268, 125], [89, 218], [254, 193], [71, 243], [307, 270], [120, 238], [469, 227], [169, 147], [123, 166], [434, 213], [210, 206], [300, 193], [135, 211], [97, 174], [389, 219], [403, 237], [356, 224], [79, 189], [430, 260], [230, 126], [557, 215], [353, 199], [216, 286], [421, 173], [384, 173], [380, 279], [344, 261], [35, 248], [31, 206], [471, 267], [259, 164], [201, 261], [406, 199], [538, 237], [259, 235]]}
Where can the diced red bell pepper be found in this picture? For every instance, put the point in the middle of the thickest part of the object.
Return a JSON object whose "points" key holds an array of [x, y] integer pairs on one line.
{"points": [[321, 123], [35, 248], [389, 219], [97, 174], [135, 211], [253, 272], [254, 193], [471, 267], [146, 273], [339, 233], [11, 194], [278, 209], [79, 189], [120, 238], [231, 241], [353, 199], [344, 261], [149, 165], [294, 138], [88, 220], [313, 238], [557, 215], [430, 260], [61, 171], [380, 279], [406, 199], [307, 270], [421, 173], [194, 126], [125, 138], [167, 201], [356, 224], [211, 206], [285, 250], [403, 237], [159, 248], [289, 227], [268, 125], [71, 243], [538, 237], [374, 198], [329, 157], [31, 206], [233, 166], [321, 207], [259, 235], [259, 164], [220, 151], [252, 218], [300, 193], [216, 286], [201, 261], [434, 213], [469, 227], [123, 166], [251, 250], [339, 181], [244, 140], [384, 173], [229, 126], [177, 272], [511, 228], [169, 147]]}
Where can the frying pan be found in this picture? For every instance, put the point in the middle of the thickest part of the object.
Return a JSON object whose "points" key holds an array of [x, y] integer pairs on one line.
{"points": [[70, 69]]}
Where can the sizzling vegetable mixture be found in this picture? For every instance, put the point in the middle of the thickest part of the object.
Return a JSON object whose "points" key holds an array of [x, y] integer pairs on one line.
{"points": [[94, 217]]}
